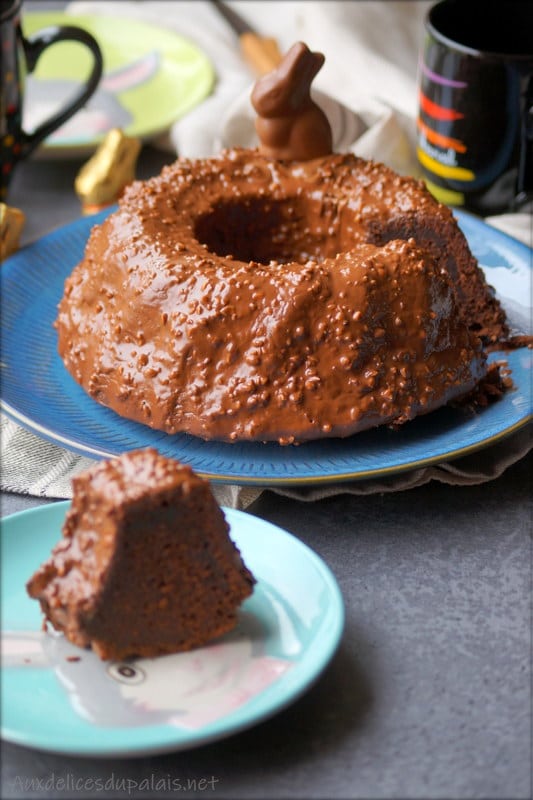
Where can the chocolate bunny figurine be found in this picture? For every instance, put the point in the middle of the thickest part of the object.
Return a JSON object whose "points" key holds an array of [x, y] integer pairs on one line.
{"points": [[290, 125]]}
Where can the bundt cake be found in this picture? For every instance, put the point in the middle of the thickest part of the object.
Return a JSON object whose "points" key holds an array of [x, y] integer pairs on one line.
{"points": [[248, 297], [146, 565]]}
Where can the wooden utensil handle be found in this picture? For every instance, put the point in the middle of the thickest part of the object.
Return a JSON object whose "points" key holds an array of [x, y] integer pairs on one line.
{"points": [[260, 51]]}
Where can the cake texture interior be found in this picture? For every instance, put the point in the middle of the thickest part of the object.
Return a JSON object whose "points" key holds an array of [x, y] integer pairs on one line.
{"points": [[146, 564], [254, 297]]}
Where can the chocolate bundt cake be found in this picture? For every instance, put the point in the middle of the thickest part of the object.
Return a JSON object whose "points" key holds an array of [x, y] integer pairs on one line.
{"points": [[251, 297], [146, 565], [239, 297]]}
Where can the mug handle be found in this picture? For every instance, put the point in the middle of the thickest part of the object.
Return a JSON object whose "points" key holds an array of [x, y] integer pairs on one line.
{"points": [[33, 47], [525, 166]]}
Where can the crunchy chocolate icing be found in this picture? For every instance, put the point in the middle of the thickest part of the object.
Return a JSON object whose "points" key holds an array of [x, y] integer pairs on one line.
{"points": [[238, 297], [145, 565]]}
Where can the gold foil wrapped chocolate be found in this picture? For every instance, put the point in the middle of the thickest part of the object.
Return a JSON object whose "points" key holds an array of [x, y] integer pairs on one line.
{"points": [[102, 179], [12, 222]]}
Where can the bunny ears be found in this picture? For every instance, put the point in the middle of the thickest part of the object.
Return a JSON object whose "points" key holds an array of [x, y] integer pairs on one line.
{"points": [[290, 125]]}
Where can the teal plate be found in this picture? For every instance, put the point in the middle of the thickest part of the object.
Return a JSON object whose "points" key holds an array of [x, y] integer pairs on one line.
{"points": [[39, 393], [64, 699]]}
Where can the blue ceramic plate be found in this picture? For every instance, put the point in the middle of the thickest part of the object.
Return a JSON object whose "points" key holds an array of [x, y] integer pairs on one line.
{"points": [[38, 393], [59, 697]]}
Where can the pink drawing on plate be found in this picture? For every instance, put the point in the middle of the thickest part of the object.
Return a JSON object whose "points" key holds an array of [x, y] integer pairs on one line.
{"points": [[104, 110], [187, 690]]}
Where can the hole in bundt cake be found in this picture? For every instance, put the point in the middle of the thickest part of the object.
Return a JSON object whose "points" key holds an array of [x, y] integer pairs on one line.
{"points": [[293, 229]]}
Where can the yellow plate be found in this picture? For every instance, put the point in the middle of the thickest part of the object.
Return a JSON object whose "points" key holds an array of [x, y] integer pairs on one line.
{"points": [[152, 77]]}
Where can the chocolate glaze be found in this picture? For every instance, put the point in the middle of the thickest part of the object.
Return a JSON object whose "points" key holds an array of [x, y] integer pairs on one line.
{"points": [[290, 125], [146, 565], [238, 297]]}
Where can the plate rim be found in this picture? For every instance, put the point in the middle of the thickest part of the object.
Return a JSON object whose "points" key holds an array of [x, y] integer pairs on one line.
{"points": [[217, 730], [338, 475], [280, 481]]}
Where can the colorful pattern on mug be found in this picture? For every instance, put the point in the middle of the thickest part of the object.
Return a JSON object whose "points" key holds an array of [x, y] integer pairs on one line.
{"points": [[10, 108], [437, 151]]}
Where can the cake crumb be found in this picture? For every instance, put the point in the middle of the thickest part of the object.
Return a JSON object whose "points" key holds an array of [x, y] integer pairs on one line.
{"points": [[492, 387]]}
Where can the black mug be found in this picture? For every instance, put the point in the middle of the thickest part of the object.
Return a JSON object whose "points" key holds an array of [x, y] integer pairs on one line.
{"points": [[475, 120], [19, 55]]}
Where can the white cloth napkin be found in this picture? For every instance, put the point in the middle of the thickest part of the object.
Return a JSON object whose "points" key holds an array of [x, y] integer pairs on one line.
{"points": [[367, 88]]}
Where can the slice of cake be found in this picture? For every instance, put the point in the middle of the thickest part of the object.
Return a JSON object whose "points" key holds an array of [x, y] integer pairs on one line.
{"points": [[146, 565]]}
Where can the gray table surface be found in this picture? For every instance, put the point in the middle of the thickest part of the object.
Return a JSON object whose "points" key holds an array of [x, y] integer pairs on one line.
{"points": [[429, 694]]}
